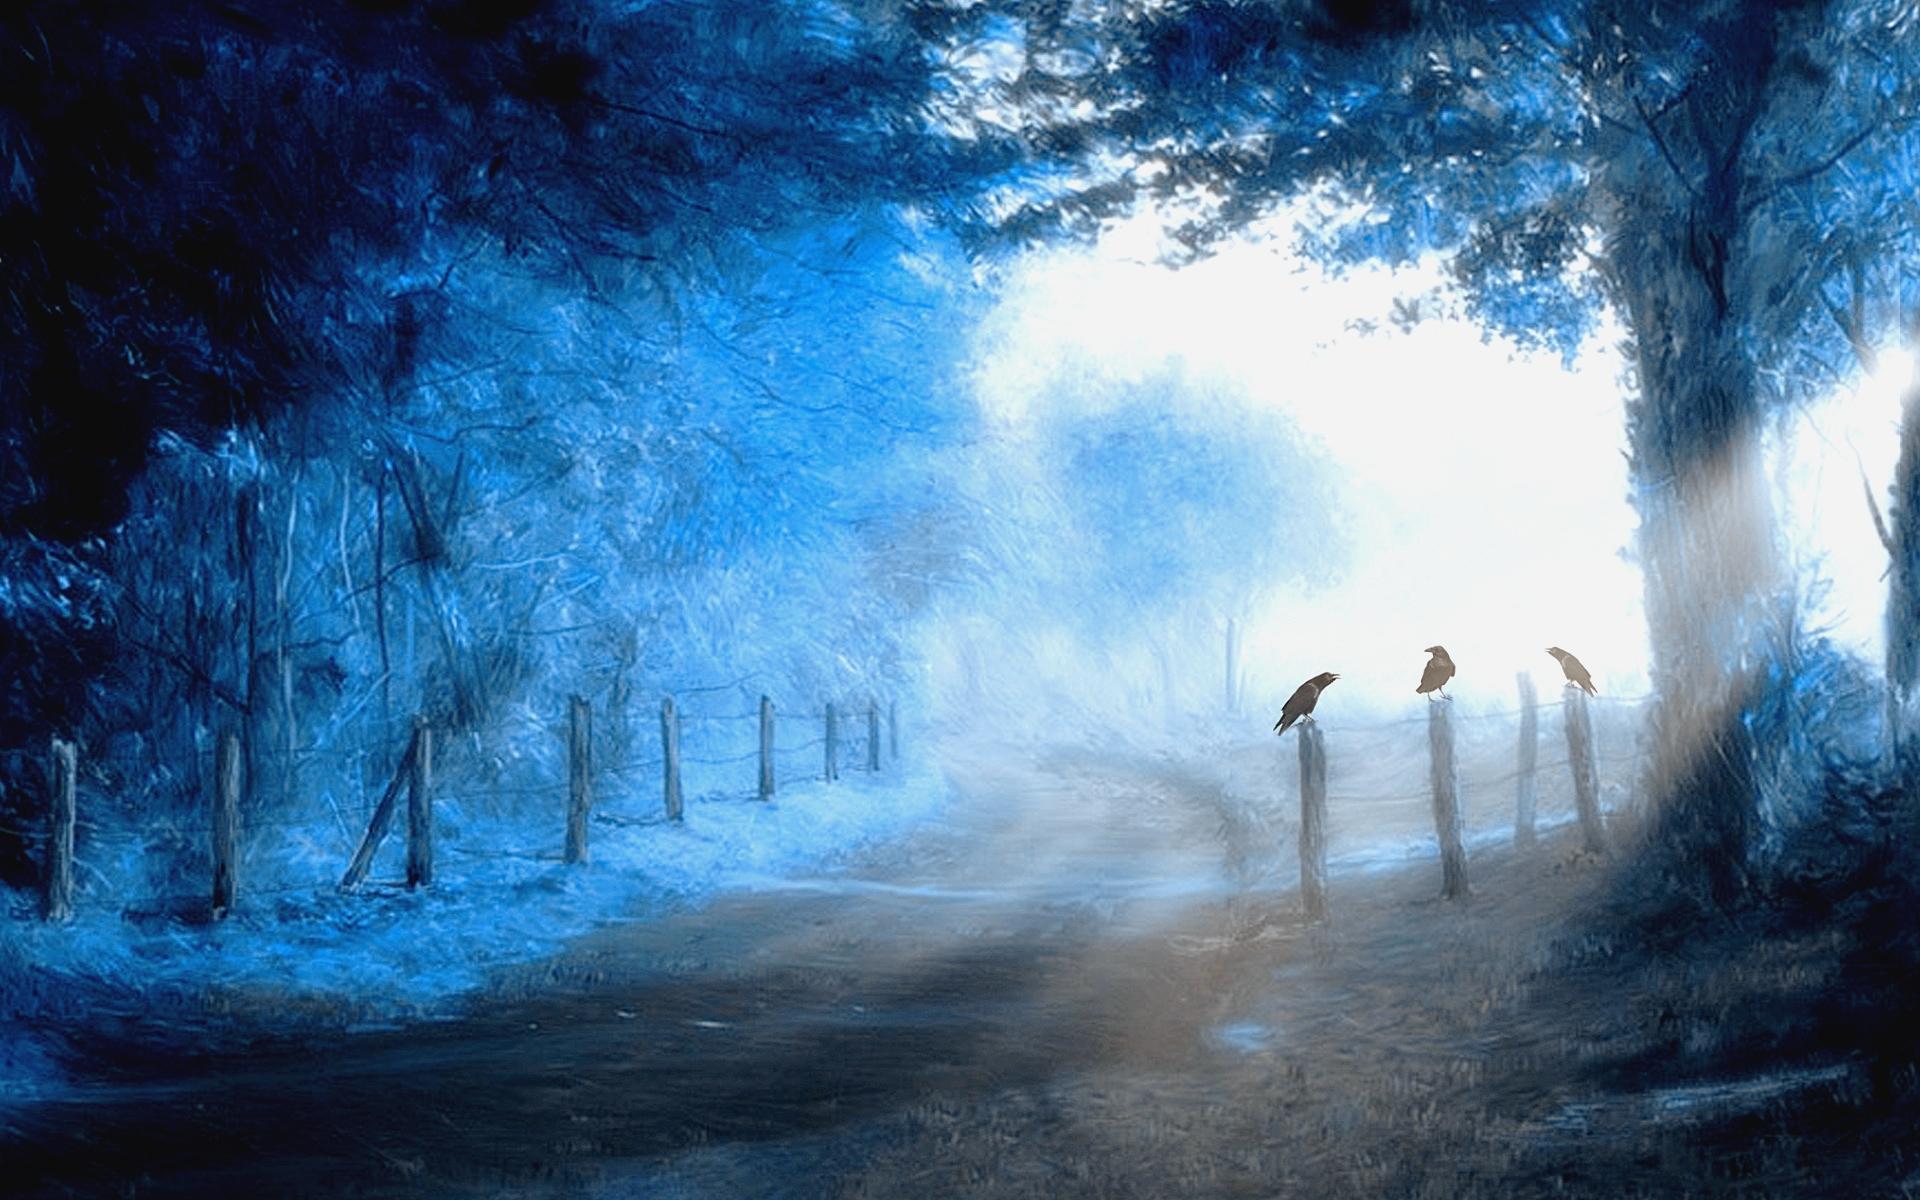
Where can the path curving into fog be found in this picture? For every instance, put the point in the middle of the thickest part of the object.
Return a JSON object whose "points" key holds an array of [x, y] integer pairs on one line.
{"points": [[1086, 953], [1058, 917]]}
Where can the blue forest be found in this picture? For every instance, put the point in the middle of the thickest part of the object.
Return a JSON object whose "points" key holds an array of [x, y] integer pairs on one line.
{"points": [[694, 597]]}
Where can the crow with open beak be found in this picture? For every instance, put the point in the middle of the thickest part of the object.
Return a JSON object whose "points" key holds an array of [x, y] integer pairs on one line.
{"points": [[1576, 673], [1302, 701], [1439, 670]]}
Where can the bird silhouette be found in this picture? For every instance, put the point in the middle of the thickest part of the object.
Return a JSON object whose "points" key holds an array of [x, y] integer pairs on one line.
{"points": [[1439, 670], [1303, 699], [1576, 673]]}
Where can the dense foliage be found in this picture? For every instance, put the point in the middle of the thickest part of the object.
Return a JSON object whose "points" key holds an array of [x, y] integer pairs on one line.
{"points": [[446, 357]]}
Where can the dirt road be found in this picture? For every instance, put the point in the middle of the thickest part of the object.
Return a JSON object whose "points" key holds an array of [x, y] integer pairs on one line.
{"points": [[1088, 979]]}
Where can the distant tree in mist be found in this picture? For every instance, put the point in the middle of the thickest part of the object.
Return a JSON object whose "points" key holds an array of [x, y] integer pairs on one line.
{"points": [[1174, 508]]}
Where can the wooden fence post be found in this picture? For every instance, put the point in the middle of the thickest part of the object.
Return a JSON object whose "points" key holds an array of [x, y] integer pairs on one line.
{"points": [[1446, 800], [893, 729], [420, 806], [670, 759], [833, 746], [873, 736], [226, 823], [1526, 791], [579, 776], [766, 748], [1233, 667], [1586, 770], [378, 822], [61, 773], [1313, 821]]}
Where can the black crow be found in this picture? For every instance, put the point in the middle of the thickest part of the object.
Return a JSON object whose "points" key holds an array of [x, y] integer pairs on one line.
{"points": [[1576, 674], [1303, 699], [1439, 670]]}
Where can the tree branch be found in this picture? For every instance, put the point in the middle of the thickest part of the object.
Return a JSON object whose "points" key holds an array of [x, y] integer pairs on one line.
{"points": [[1653, 130], [193, 670], [1813, 170], [1873, 506]]}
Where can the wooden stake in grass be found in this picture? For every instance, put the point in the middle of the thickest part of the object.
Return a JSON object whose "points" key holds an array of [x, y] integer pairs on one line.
{"points": [[420, 807], [893, 729], [377, 824], [766, 748], [1446, 800], [579, 776], [1586, 771], [1233, 667], [833, 746], [873, 736], [1526, 786], [670, 759], [62, 771], [1313, 821], [226, 823]]}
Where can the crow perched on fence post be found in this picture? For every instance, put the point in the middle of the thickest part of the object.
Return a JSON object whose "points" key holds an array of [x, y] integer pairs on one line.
{"points": [[1303, 699], [1439, 670], [1576, 673]]}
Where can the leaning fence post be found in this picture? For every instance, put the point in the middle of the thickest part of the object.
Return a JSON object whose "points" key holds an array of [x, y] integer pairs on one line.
{"points": [[670, 759], [766, 748], [1446, 800], [833, 746], [873, 736], [1526, 791], [61, 774], [579, 776], [226, 823], [378, 822], [1586, 770], [1313, 821], [420, 807]]}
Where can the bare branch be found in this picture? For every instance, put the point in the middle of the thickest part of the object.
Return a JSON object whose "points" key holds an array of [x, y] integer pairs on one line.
{"points": [[1647, 119], [1873, 506], [192, 670], [1813, 170], [1851, 327]]}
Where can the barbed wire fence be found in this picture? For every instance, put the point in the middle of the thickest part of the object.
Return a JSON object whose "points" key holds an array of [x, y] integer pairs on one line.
{"points": [[81, 854], [1582, 760]]}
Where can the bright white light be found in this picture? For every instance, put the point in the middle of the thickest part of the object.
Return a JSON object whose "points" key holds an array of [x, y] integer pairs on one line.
{"points": [[1488, 503], [1826, 460]]}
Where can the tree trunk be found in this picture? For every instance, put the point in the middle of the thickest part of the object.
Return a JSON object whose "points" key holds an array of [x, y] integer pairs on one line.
{"points": [[1706, 538], [1903, 603], [1677, 259]]}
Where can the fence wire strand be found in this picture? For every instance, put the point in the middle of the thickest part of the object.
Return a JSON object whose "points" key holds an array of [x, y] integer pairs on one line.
{"points": [[853, 748]]}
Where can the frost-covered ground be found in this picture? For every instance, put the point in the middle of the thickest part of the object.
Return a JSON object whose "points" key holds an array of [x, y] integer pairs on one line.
{"points": [[386, 954]]}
